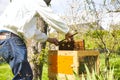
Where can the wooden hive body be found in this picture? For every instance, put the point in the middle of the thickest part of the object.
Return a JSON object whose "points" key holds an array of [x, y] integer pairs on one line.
{"points": [[63, 63]]}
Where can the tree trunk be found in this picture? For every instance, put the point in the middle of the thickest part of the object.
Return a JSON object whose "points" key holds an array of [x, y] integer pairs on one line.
{"points": [[34, 50]]}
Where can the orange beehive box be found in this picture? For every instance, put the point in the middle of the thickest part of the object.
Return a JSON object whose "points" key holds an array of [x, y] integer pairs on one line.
{"points": [[62, 64]]}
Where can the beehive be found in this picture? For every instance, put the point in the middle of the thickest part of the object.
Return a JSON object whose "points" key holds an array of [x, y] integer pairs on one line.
{"points": [[61, 64], [72, 45]]}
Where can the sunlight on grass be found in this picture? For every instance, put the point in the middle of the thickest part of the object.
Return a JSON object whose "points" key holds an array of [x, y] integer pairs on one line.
{"points": [[45, 73], [5, 72]]}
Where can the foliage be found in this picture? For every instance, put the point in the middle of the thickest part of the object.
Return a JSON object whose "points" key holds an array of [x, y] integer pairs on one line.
{"points": [[45, 72], [40, 58], [95, 76], [115, 63], [99, 38]]}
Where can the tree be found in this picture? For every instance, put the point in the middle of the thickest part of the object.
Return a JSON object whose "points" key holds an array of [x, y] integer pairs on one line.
{"points": [[37, 49]]}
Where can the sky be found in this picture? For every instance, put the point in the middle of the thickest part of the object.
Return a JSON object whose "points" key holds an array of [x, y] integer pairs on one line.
{"points": [[58, 6], [3, 4]]}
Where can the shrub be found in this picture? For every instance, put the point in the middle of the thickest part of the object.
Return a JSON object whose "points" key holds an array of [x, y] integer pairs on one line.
{"points": [[108, 75], [116, 65]]}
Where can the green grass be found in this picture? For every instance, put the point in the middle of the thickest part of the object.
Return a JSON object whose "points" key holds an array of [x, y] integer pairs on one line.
{"points": [[5, 72], [45, 73]]}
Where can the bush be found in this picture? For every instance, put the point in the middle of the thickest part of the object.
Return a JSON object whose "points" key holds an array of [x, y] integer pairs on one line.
{"points": [[116, 65], [118, 50], [102, 76]]}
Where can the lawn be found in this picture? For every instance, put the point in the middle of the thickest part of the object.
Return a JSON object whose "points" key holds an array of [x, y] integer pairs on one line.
{"points": [[5, 72]]}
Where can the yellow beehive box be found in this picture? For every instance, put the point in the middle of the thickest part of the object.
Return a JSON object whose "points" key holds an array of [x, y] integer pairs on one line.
{"points": [[62, 64]]}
